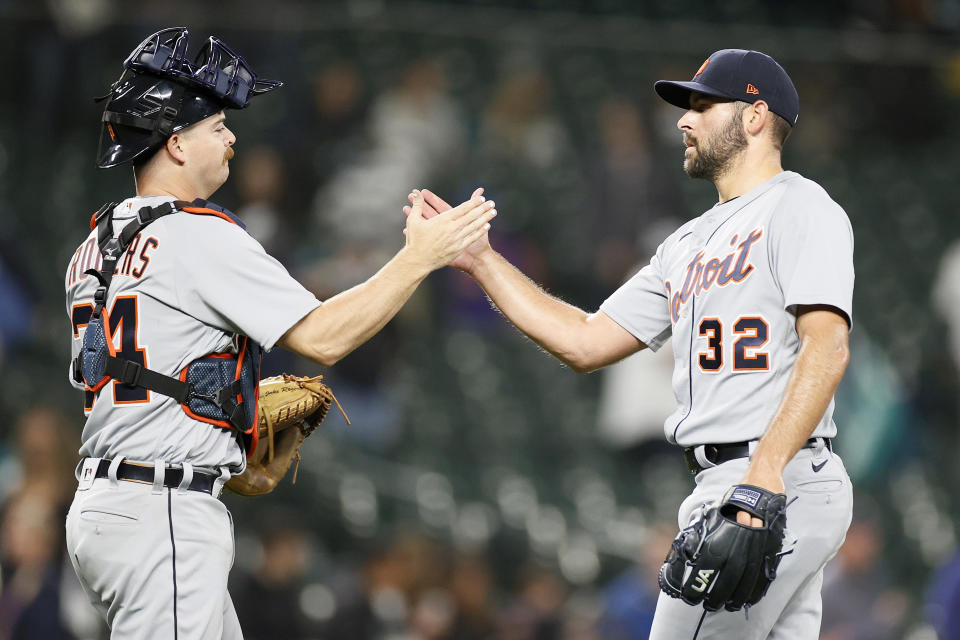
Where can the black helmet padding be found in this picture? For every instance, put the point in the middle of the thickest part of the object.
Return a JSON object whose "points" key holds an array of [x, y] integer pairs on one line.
{"points": [[161, 92]]}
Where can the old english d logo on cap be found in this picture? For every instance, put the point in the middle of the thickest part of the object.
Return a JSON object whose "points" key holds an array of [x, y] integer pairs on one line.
{"points": [[702, 67]]}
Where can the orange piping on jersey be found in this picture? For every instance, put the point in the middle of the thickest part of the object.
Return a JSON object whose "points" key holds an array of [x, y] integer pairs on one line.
{"points": [[72, 273], [716, 334], [80, 325], [92, 397], [93, 220], [124, 268], [757, 356], [136, 347], [209, 212], [86, 260], [144, 258]]}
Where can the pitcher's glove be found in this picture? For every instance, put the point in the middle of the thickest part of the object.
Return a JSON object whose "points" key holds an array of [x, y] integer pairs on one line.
{"points": [[721, 563], [291, 401]]}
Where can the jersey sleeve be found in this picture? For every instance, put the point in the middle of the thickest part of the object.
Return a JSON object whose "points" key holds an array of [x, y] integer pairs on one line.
{"points": [[812, 254], [641, 307], [226, 279]]}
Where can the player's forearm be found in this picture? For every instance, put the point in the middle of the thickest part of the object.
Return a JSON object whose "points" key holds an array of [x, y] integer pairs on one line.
{"points": [[817, 372], [352, 317], [553, 324]]}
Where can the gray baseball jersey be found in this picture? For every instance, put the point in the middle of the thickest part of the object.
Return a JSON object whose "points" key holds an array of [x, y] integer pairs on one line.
{"points": [[186, 285], [725, 286]]}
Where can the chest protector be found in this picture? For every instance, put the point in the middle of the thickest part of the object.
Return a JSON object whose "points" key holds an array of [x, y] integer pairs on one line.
{"points": [[220, 389]]}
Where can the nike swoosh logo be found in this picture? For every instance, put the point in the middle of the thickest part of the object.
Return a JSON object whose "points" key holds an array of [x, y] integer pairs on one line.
{"points": [[817, 467]]}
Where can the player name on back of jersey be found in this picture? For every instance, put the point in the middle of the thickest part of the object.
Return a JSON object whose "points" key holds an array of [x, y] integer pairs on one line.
{"points": [[133, 264], [701, 275]]}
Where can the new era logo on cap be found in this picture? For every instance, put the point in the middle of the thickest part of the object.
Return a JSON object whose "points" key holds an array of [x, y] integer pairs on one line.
{"points": [[738, 74]]}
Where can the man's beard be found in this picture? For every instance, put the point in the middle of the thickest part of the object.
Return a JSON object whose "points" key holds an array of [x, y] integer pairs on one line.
{"points": [[715, 158]]}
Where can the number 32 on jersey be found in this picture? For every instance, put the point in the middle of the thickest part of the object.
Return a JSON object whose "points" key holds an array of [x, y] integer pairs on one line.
{"points": [[749, 334]]}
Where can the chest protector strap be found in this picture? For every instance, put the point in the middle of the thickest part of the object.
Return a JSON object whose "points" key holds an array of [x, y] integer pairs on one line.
{"points": [[219, 388]]}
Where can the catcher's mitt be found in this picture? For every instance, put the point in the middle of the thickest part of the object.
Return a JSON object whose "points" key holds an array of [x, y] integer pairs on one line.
{"points": [[722, 563], [286, 401]]}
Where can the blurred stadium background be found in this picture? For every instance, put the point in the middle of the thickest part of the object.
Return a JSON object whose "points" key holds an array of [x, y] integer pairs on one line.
{"points": [[484, 491]]}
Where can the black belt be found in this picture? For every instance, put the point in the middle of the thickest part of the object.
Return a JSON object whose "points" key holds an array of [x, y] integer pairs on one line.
{"points": [[720, 453], [202, 482]]}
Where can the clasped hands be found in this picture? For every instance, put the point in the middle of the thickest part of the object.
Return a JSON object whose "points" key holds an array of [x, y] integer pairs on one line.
{"points": [[425, 205]]}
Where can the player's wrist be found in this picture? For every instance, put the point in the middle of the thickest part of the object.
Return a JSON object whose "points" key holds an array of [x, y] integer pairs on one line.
{"points": [[765, 476], [414, 263], [480, 263]]}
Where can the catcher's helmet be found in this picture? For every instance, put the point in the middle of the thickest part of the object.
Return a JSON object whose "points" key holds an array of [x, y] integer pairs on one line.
{"points": [[161, 92]]}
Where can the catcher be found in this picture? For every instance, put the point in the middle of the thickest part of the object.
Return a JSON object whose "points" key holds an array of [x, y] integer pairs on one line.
{"points": [[289, 409], [171, 304]]}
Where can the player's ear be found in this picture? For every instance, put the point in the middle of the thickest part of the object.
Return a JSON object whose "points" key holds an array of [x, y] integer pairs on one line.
{"points": [[755, 117], [176, 148]]}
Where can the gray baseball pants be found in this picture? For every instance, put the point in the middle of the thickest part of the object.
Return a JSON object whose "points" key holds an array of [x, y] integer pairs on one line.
{"points": [[817, 522], [154, 562]]}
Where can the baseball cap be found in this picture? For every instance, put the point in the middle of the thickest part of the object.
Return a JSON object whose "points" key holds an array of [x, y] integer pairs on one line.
{"points": [[737, 74]]}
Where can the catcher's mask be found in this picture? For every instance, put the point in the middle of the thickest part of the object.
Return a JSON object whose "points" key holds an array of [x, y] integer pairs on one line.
{"points": [[160, 92]]}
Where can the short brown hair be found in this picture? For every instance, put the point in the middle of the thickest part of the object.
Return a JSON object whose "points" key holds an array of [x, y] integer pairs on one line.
{"points": [[781, 130]]}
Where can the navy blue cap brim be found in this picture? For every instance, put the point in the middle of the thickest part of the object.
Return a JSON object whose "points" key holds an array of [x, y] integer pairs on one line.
{"points": [[678, 93]]}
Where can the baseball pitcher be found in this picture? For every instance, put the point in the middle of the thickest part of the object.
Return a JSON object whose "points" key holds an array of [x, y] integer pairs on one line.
{"points": [[756, 293]]}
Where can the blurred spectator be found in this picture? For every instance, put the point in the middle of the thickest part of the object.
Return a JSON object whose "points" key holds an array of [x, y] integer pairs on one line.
{"points": [[415, 129], [624, 418], [40, 487], [519, 122], [341, 108], [367, 607], [945, 298], [536, 611], [860, 599], [261, 184], [17, 297], [267, 600], [631, 599], [30, 568], [432, 616], [46, 456], [471, 586], [943, 600], [627, 419], [629, 193], [400, 590], [528, 164]]}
